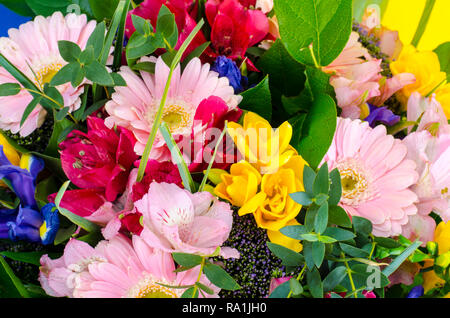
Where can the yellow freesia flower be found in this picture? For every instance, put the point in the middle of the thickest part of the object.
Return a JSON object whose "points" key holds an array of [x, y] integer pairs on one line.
{"points": [[426, 68], [443, 97], [240, 185], [262, 146], [404, 16], [442, 238]]}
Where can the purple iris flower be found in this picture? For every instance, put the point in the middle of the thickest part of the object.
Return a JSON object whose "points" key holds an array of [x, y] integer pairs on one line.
{"points": [[228, 68], [25, 222], [382, 115], [416, 292]]}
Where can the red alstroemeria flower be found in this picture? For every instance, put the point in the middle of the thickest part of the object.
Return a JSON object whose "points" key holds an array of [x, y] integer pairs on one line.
{"points": [[234, 27], [100, 159]]}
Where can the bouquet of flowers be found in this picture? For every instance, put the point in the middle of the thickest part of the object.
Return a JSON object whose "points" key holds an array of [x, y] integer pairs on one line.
{"points": [[223, 148]]}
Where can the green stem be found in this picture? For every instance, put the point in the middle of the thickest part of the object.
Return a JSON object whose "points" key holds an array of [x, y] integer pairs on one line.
{"points": [[157, 122], [199, 275], [313, 56], [423, 22], [349, 272], [205, 177], [299, 277]]}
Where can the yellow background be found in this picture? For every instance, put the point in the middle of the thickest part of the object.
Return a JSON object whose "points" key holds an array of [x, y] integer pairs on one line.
{"points": [[404, 16]]}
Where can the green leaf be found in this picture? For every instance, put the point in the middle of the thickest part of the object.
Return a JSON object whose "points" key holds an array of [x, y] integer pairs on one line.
{"points": [[308, 254], [335, 187], [282, 291], [87, 56], [62, 113], [18, 6], [93, 108], [64, 234], [443, 53], [325, 24], [78, 75], [334, 278], [318, 252], [310, 237], [78, 220], [9, 89], [338, 216], [321, 183], [18, 75], [258, 99], [302, 198], [52, 149], [318, 130], [26, 257], [205, 288], [65, 74], [321, 220], [353, 251], [362, 225], [69, 51], [294, 231], [310, 217], [295, 287], [148, 67], [309, 175], [177, 158], [285, 73], [219, 277], [31, 106], [197, 52], [118, 47], [97, 73], [190, 293], [54, 99], [48, 7], [339, 234], [149, 45], [401, 258], [387, 242], [326, 239], [103, 9], [287, 256], [320, 199], [97, 39], [118, 79], [15, 280], [315, 283], [167, 27], [187, 260]]}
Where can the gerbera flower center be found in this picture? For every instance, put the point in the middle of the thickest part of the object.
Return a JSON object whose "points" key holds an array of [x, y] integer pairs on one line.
{"points": [[355, 185], [150, 288], [46, 73], [176, 117]]}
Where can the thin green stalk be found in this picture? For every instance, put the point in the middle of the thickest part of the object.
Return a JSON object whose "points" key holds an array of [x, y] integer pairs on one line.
{"points": [[313, 56], [423, 22], [158, 117], [199, 275], [299, 277], [219, 141], [349, 272]]}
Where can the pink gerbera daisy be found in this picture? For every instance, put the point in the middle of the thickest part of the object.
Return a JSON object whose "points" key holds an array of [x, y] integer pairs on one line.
{"points": [[375, 175], [118, 268], [33, 49], [135, 106]]}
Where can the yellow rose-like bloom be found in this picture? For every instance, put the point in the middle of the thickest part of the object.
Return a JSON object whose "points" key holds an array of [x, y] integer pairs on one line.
{"points": [[442, 238], [262, 146], [426, 68], [240, 185], [272, 207], [443, 97]]}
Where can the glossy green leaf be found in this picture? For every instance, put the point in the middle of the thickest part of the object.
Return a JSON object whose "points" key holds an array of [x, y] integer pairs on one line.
{"points": [[97, 73], [315, 283], [219, 277], [295, 286], [9, 89], [103, 9], [69, 51], [318, 252], [282, 291], [338, 216], [301, 197], [362, 225], [334, 278], [335, 187], [187, 260], [287, 256], [324, 24], [321, 220], [294, 231], [258, 99], [339, 234]]}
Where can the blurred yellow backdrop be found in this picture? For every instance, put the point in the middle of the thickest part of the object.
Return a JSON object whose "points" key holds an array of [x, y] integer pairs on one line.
{"points": [[404, 16]]}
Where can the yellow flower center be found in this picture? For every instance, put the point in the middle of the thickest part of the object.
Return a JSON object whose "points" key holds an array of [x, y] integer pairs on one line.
{"points": [[355, 184], [46, 74], [156, 291]]}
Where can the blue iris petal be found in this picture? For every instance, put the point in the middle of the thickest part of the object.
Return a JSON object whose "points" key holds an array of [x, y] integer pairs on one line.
{"points": [[51, 218], [228, 68], [416, 292], [383, 115]]}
